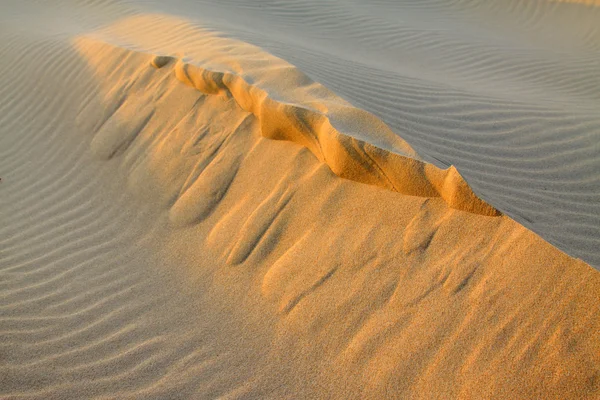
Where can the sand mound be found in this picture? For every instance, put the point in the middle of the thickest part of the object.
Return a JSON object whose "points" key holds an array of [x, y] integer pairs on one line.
{"points": [[157, 243]]}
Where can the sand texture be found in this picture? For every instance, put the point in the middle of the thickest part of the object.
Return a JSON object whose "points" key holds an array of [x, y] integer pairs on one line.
{"points": [[299, 199]]}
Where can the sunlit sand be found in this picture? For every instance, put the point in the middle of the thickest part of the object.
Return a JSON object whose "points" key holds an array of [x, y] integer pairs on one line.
{"points": [[299, 200]]}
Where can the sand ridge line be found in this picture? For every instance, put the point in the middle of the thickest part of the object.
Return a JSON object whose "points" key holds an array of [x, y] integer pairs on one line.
{"points": [[347, 156]]}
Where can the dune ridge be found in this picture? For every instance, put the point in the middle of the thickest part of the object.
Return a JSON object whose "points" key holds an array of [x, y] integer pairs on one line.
{"points": [[347, 156], [310, 120], [505, 91]]}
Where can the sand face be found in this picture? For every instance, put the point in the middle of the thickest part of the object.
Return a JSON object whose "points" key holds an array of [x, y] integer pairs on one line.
{"points": [[505, 91], [186, 215]]}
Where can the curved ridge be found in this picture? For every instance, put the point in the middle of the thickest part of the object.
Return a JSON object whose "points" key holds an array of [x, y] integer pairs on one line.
{"points": [[313, 126], [510, 102]]}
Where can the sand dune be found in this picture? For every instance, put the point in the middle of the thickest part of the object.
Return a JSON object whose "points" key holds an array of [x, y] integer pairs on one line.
{"points": [[343, 137], [505, 91], [157, 242]]}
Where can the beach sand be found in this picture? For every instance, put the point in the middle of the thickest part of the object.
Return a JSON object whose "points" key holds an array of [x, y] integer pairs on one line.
{"points": [[277, 199]]}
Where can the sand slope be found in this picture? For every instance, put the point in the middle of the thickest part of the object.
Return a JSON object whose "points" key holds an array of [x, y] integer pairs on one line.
{"points": [[506, 91], [156, 242]]}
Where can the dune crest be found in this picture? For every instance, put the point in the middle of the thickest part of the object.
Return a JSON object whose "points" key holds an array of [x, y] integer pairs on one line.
{"points": [[346, 155], [290, 106]]}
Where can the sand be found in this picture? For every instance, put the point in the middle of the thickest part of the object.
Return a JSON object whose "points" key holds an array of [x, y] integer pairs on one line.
{"points": [[299, 200]]}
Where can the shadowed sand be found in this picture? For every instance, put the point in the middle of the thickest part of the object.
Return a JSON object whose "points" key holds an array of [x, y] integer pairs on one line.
{"points": [[158, 243]]}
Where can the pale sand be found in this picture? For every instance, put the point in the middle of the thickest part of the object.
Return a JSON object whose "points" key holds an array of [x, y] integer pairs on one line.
{"points": [[157, 242]]}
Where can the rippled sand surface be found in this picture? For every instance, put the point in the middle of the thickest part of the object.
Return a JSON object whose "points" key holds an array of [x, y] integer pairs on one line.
{"points": [[299, 199]]}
